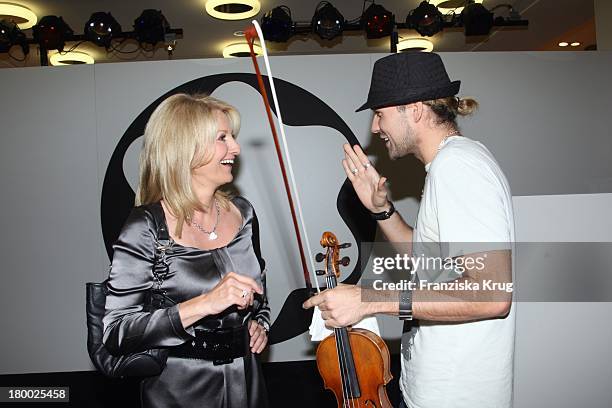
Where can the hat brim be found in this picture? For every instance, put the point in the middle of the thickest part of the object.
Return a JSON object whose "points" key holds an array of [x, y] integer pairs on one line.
{"points": [[414, 95]]}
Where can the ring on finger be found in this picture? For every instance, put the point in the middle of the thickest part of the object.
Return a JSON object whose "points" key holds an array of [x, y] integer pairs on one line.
{"points": [[355, 171], [245, 293], [366, 165]]}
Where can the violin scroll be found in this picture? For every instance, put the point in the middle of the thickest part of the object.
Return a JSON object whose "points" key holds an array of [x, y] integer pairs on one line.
{"points": [[332, 255]]}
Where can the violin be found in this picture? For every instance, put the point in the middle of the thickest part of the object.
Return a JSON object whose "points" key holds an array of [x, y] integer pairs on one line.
{"points": [[354, 363]]}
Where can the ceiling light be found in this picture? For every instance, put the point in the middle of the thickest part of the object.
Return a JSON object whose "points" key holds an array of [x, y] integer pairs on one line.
{"points": [[377, 21], [575, 44], [415, 44], [241, 50], [25, 17], [100, 28], [10, 35], [327, 21], [451, 6], [70, 58], [151, 27], [426, 19], [563, 44], [277, 25], [232, 9], [476, 19], [52, 32]]}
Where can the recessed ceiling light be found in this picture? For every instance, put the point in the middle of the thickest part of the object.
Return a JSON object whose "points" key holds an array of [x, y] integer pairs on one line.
{"points": [[25, 17], [415, 44], [575, 44], [563, 44], [70, 58], [240, 50], [232, 9], [448, 6]]}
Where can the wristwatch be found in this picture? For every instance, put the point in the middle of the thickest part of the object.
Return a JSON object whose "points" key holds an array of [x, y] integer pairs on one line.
{"points": [[263, 323], [405, 305], [385, 215]]}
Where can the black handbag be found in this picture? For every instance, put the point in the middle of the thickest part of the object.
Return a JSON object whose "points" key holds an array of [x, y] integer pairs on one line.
{"points": [[143, 364]]}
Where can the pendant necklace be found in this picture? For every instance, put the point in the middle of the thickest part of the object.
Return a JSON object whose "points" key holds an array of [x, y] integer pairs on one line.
{"points": [[212, 235]]}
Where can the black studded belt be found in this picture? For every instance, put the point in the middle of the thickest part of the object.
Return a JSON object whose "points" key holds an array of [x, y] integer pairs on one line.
{"points": [[221, 346]]}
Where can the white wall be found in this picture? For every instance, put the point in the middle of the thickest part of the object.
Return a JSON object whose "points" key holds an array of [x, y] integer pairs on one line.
{"points": [[562, 349]]}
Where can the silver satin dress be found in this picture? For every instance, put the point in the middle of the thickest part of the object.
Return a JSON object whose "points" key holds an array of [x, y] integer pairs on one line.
{"points": [[192, 271]]}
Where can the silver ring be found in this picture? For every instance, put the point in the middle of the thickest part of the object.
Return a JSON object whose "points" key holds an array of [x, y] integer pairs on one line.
{"points": [[355, 171], [245, 293], [366, 165]]}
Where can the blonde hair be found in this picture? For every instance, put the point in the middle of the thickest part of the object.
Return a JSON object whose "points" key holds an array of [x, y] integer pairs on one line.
{"points": [[447, 109], [180, 137]]}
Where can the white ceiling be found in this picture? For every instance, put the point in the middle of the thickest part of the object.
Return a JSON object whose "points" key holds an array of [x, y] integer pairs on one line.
{"points": [[204, 37]]}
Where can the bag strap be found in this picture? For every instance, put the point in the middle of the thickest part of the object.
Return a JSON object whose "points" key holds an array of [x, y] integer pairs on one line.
{"points": [[159, 218], [163, 243]]}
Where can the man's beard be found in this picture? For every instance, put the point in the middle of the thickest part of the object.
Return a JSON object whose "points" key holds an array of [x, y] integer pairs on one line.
{"points": [[404, 145]]}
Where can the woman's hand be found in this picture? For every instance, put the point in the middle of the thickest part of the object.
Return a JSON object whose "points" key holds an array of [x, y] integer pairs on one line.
{"points": [[368, 184], [233, 289], [259, 337]]}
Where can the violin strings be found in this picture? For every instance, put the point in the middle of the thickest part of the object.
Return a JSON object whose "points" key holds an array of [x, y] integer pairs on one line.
{"points": [[340, 353], [347, 375], [341, 366], [344, 377], [347, 391]]}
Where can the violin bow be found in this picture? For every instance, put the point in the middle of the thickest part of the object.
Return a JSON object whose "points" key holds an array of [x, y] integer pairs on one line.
{"points": [[252, 33]]}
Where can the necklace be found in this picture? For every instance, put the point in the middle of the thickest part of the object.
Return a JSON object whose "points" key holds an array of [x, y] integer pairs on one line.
{"points": [[443, 142], [212, 235]]}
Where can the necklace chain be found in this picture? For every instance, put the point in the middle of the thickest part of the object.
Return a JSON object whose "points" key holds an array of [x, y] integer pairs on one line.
{"points": [[443, 142], [212, 235]]}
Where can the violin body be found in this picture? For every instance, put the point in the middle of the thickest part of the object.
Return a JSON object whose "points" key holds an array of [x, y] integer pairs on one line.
{"points": [[372, 367]]}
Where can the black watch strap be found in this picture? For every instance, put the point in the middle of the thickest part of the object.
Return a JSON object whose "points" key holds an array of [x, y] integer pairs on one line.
{"points": [[405, 305], [385, 215]]}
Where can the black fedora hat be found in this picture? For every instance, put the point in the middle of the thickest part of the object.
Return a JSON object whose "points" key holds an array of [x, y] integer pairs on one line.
{"points": [[404, 78]]}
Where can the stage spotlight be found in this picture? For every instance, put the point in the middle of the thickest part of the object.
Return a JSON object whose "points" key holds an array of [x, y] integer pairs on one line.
{"points": [[10, 35], [327, 21], [100, 28], [476, 19], [70, 58], [377, 21], [151, 27], [415, 44], [52, 32], [277, 25], [232, 9], [21, 15], [426, 19]]}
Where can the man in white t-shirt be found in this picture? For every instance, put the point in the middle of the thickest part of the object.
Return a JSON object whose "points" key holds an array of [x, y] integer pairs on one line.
{"points": [[460, 354]]}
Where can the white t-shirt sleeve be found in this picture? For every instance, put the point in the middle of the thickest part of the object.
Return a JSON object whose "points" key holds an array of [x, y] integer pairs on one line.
{"points": [[470, 202]]}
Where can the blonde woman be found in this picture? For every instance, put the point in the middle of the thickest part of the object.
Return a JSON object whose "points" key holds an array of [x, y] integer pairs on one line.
{"points": [[214, 274]]}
